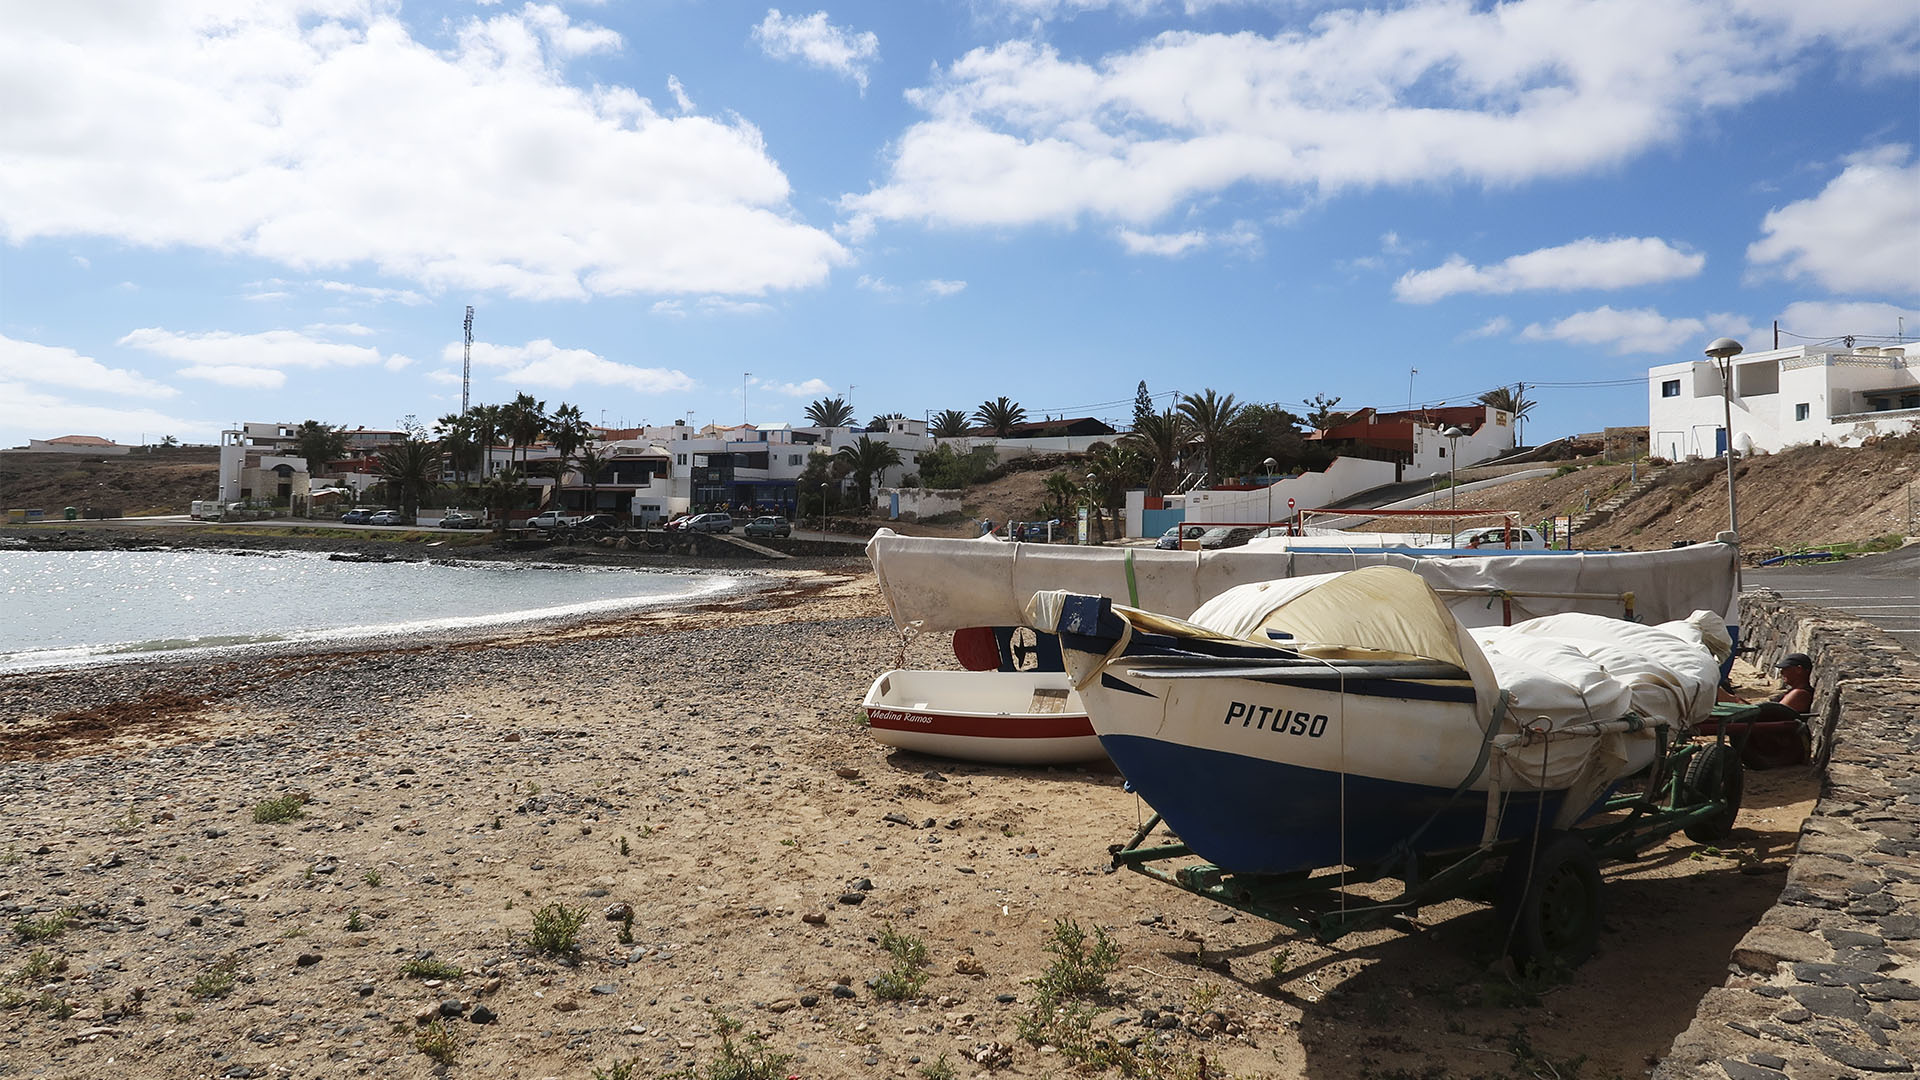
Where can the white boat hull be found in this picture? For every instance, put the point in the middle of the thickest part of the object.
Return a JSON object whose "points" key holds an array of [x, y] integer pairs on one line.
{"points": [[1007, 718]]}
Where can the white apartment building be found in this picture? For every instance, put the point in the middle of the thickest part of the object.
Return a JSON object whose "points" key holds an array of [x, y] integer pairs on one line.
{"points": [[1783, 397]]}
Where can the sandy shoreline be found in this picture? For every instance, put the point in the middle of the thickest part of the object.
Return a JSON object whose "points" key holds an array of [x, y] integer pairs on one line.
{"points": [[703, 766]]}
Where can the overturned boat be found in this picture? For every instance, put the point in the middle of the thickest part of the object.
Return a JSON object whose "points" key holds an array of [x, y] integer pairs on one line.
{"points": [[1343, 719]]}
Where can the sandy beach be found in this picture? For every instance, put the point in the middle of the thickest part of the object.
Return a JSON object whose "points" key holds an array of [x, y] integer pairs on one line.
{"points": [[705, 769]]}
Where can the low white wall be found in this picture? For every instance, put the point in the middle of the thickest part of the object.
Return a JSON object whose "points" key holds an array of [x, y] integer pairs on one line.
{"points": [[922, 502], [1346, 476]]}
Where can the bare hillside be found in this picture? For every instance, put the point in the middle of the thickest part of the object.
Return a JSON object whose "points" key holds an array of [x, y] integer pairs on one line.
{"points": [[161, 482]]}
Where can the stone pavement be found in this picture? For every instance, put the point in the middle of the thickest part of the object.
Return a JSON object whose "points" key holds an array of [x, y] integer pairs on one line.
{"points": [[1828, 984]]}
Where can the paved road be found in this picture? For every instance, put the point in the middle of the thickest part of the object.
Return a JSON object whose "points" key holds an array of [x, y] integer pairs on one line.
{"points": [[1882, 589]]}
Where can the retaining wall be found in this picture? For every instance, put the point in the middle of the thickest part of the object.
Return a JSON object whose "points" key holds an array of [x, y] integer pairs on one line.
{"points": [[1827, 985]]}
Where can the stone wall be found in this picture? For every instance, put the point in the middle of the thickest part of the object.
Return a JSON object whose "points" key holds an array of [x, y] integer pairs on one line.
{"points": [[1827, 984]]}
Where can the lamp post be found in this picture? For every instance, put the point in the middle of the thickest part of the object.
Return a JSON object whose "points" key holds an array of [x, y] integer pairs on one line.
{"points": [[1723, 350], [1269, 465], [1453, 478]]}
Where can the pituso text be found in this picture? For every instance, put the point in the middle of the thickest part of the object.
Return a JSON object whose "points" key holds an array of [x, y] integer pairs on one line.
{"points": [[1278, 721]]}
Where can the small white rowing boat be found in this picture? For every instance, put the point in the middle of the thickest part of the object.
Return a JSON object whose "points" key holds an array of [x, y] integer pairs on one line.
{"points": [[1008, 718]]}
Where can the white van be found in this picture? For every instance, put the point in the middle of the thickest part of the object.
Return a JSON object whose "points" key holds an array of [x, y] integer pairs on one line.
{"points": [[1500, 538]]}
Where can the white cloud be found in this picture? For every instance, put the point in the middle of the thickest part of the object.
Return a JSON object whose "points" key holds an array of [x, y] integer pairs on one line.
{"points": [[1414, 94], [543, 364], [1493, 327], [944, 287], [1636, 330], [238, 376], [271, 294], [28, 413], [816, 41], [1831, 319], [349, 329], [321, 134], [375, 294], [252, 361], [679, 93], [710, 305], [1174, 245], [1615, 263], [55, 365], [875, 284], [82, 262], [1860, 234], [810, 388]]}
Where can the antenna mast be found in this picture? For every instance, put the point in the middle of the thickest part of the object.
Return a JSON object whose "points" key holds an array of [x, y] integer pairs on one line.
{"points": [[466, 363]]}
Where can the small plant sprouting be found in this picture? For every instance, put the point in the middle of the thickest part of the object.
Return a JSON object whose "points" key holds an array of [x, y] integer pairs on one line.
{"points": [[130, 822], [1077, 969], [748, 1062], [556, 929], [624, 848], [437, 1042], [619, 1070], [1278, 963], [939, 1070], [371, 877], [9, 857], [908, 976], [216, 981], [426, 967], [41, 963], [48, 928], [54, 1005], [626, 928], [355, 921], [284, 808], [1203, 998], [497, 825], [533, 788]]}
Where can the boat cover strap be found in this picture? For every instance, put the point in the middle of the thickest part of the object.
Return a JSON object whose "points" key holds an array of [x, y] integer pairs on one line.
{"points": [[1405, 851]]}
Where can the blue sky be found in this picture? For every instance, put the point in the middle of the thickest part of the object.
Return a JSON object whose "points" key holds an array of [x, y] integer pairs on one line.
{"points": [[224, 210]]}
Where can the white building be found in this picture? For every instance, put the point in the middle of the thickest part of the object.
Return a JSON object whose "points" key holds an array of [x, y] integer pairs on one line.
{"points": [[1781, 398]]}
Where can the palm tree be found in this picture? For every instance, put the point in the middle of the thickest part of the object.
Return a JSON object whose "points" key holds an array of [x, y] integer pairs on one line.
{"points": [[503, 491], [1063, 492], [1514, 401], [1000, 415], [591, 461], [884, 420], [865, 458], [460, 438], [830, 412], [1157, 437], [948, 424], [410, 469], [319, 443], [1110, 470], [168, 442], [1208, 415], [567, 430], [522, 420]]}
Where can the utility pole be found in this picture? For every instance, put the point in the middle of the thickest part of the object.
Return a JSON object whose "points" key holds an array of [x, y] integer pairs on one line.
{"points": [[746, 380], [466, 364]]}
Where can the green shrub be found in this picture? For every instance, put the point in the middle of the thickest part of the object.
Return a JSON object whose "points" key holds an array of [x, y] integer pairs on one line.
{"points": [[556, 929], [425, 967], [284, 808], [908, 976]]}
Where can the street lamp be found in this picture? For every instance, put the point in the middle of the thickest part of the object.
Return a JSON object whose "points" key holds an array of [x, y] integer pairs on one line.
{"points": [[1453, 478], [1269, 465], [1723, 350]]}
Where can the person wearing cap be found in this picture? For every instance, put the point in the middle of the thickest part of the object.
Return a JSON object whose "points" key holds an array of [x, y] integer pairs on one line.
{"points": [[1796, 670]]}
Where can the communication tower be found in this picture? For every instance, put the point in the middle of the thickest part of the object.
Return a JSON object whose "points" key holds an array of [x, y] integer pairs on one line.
{"points": [[466, 363]]}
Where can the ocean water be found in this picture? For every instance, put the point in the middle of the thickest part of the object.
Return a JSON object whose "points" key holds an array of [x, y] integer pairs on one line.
{"points": [[65, 608]]}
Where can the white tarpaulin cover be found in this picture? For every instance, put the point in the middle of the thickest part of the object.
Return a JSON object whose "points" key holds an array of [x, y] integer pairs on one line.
{"points": [[940, 584]]}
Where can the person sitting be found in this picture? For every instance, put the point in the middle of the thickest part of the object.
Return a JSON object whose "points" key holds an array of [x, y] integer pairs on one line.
{"points": [[1796, 670]]}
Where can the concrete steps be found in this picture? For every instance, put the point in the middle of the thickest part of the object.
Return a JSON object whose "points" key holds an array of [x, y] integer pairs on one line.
{"points": [[1612, 506]]}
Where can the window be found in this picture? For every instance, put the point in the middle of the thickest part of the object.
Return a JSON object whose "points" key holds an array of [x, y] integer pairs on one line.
{"points": [[1802, 411], [793, 459], [680, 459], [1443, 451], [1910, 401], [1670, 388]]}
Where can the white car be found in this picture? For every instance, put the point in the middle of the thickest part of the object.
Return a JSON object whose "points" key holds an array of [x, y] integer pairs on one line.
{"points": [[1500, 538], [551, 519]]}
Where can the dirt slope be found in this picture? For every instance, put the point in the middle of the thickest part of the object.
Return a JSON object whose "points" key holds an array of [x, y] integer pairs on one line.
{"points": [[163, 482]]}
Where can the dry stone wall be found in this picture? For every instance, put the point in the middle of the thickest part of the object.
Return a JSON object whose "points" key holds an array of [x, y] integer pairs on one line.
{"points": [[1827, 985]]}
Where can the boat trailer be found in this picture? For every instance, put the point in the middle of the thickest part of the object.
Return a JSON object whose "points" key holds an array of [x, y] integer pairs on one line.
{"points": [[1546, 885]]}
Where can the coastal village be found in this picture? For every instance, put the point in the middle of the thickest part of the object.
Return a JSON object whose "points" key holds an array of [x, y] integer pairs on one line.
{"points": [[1002, 540]]}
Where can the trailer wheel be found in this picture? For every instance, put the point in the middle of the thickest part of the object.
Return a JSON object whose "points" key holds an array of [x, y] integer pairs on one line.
{"points": [[1550, 903], [1715, 775]]}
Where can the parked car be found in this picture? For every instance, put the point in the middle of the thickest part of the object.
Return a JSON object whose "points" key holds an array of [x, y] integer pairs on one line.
{"points": [[597, 523], [356, 516], [1497, 536], [709, 523], [460, 519], [1169, 540], [769, 526], [1226, 536], [386, 517], [551, 519]]}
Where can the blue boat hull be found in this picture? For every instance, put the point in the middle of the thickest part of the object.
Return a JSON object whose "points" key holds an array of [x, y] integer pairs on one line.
{"points": [[1258, 816]]}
